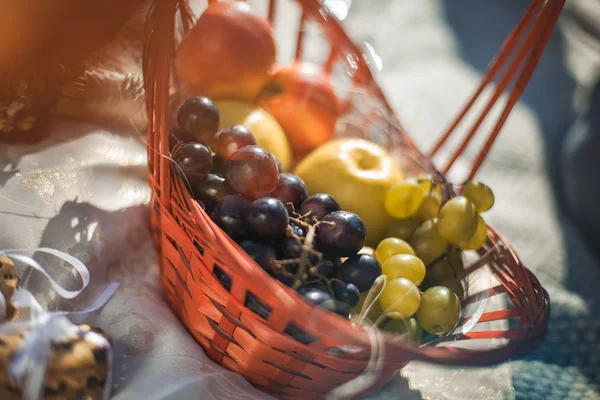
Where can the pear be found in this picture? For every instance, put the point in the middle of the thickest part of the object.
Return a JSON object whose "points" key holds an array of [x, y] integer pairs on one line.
{"points": [[267, 131]]}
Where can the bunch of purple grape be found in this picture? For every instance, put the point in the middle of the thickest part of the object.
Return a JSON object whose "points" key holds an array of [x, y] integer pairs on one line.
{"points": [[298, 239]]}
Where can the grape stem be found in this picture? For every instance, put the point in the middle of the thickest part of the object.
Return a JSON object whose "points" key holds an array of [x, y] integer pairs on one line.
{"points": [[304, 259], [280, 264], [281, 269], [322, 278], [286, 262], [331, 224], [442, 257], [309, 222], [299, 222], [447, 188], [291, 207], [432, 180]]}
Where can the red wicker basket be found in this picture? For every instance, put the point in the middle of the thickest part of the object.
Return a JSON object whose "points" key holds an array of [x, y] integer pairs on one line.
{"points": [[194, 251]]}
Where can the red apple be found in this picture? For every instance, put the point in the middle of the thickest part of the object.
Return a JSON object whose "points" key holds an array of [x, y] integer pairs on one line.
{"points": [[228, 54]]}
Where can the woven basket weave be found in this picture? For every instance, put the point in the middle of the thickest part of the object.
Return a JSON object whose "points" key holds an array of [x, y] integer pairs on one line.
{"points": [[209, 281]]}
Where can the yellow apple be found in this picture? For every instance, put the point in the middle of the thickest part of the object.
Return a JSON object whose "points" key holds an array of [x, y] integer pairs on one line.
{"points": [[267, 131], [358, 174]]}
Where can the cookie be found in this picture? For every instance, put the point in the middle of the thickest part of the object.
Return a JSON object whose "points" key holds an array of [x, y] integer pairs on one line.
{"points": [[9, 282], [9, 344], [78, 365]]}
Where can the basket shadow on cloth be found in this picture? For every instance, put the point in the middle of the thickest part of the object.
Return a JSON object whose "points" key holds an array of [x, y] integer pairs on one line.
{"points": [[252, 324]]}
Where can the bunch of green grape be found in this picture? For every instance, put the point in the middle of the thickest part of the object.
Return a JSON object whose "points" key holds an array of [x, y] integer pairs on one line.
{"points": [[430, 224], [423, 251], [407, 310]]}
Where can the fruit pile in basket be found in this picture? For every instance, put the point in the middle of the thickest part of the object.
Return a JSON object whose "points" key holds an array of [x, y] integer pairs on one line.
{"points": [[311, 229], [314, 242]]}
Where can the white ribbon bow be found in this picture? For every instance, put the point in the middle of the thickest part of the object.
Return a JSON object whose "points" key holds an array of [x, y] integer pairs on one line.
{"points": [[28, 365], [16, 254]]}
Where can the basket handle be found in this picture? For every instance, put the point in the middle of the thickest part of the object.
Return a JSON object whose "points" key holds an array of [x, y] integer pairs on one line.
{"points": [[159, 49], [537, 22], [513, 65]]}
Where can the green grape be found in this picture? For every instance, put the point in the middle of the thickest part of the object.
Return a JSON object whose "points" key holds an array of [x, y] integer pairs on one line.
{"points": [[399, 299], [403, 200], [478, 238], [405, 329], [430, 207], [427, 242], [374, 312], [480, 194], [455, 259], [390, 247], [439, 310], [403, 228], [426, 284], [426, 183], [404, 266], [439, 271], [457, 220], [454, 285]]}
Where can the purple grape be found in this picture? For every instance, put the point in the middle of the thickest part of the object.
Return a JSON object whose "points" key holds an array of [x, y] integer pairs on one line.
{"points": [[285, 279], [194, 161], [218, 166], [315, 285], [288, 248], [199, 118], [268, 218], [347, 293], [342, 235], [229, 140], [230, 213], [318, 297], [177, 137], [342, 309], [329, 267], [361, 270], [263, 255], [211, 190], [278, 163], [290, 189], [314, 259], [252, 172], [298, 231], [321, 204]]}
